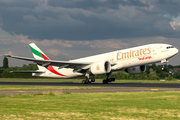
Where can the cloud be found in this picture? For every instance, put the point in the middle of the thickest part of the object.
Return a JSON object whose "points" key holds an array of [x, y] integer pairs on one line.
{"points": [[175, 25], [54, 52], [85, 45], [58, 49], [8, 53], [94, 4], [57, 52], [89, 20]]}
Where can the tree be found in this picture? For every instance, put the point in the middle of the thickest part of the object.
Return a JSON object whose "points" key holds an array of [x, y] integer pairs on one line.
{"points": [[154, 67], [170, 67], [169, 78], [153, 75], [176, 75], [147, 68], [163, 74], [5, 63]]}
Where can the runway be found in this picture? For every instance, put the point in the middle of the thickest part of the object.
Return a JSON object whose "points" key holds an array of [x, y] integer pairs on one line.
{"points": [[111, 87]]}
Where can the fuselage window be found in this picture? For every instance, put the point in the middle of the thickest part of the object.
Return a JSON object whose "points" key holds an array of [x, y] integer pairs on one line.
{"points": [[170, 47]]}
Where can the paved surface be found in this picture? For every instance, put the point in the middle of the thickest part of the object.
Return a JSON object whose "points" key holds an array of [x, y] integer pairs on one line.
{"points": [[111, 87]]}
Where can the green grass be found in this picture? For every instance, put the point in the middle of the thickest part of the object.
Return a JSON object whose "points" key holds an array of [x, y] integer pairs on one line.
{"points": [[80, 80], [90, 106], [19, 87]]}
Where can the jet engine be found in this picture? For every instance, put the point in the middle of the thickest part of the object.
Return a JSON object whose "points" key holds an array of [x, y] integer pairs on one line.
{"points": [[101, 67], [136, 70]]}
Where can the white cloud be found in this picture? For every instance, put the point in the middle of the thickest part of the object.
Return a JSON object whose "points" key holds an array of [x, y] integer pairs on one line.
{"points": [[54, 52], [8, 53], [175, 25]]}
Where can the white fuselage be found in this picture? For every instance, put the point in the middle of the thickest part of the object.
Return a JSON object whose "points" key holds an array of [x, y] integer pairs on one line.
{"points": [[122, 59]]}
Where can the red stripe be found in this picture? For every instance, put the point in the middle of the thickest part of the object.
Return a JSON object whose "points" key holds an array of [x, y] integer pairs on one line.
{"points": [[44, 57], [50, 68]]}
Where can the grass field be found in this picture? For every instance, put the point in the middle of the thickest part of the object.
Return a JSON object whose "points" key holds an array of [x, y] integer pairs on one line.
{"points": [[80, 80], [90, 106]]}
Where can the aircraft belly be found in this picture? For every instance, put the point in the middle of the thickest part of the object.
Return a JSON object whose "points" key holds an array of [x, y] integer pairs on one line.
{"points": [[68, 73], [59, 73]]}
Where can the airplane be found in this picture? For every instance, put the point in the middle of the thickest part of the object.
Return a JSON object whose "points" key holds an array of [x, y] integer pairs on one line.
{"points": [[131, 60]]}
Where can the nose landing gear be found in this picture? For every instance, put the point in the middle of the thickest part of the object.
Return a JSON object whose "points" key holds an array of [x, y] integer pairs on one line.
{"points": [[164, 63], [164, 68]]}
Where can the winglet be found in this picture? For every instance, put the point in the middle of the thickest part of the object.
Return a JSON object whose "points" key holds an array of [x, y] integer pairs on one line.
{"points": [[37, 53]]}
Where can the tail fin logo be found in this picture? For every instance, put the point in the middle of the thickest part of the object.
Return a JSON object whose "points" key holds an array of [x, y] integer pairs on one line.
{"points": [[38, 54]]}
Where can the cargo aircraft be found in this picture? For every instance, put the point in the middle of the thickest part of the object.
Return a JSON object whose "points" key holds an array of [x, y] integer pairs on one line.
{"points": [[132, 60]]}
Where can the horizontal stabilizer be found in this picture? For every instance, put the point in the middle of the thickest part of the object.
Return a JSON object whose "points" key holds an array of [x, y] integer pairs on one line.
{"points": [[27, 71]]}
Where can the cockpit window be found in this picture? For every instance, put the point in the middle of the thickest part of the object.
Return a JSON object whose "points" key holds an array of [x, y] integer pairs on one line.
{"points": [[170, 47]]}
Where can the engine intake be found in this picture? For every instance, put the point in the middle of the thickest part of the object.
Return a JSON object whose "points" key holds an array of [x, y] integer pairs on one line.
{"points": [[101, 67]]}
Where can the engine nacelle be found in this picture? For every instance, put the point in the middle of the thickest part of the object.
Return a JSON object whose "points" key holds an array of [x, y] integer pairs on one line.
{"points": [[101, 67], [136, 70]]}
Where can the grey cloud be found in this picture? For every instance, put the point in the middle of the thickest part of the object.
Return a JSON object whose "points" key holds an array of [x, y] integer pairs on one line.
{"points": [[94, 4], [168, 7], [18, 4], [88, 19]]}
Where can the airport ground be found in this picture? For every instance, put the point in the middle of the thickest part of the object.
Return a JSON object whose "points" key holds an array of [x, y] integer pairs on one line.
{"points": [[58, 99]]}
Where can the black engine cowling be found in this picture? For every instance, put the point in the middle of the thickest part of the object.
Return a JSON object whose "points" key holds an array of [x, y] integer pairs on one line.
{"points": [[136, 70]]}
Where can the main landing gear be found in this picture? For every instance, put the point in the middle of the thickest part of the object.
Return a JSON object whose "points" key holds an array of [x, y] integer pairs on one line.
{"points": [[87, 81], [108, 80]]}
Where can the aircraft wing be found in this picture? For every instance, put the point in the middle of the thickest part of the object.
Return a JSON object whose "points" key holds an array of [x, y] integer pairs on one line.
{"points": [[60, 64]]}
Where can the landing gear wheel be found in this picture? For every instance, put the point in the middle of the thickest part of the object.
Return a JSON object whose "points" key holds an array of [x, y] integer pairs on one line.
{"points": [[105, 82], [163, 68], [87, 81], [84, 81], [92, 80], [111, 79]]}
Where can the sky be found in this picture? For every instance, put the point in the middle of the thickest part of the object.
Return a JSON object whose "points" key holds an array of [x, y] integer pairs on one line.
{"points": [[70, 29]]}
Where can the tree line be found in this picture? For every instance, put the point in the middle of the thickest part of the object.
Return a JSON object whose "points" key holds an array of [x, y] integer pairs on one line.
{"points": [[5, 70], [153, 72]]}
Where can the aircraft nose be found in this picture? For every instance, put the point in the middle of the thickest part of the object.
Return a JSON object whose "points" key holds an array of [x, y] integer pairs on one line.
{"points": [[176, 51]]}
